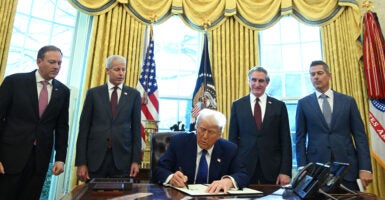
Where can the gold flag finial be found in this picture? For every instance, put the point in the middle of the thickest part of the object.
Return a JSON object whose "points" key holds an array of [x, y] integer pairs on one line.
{"points": [[206, 23], [367, 5]]}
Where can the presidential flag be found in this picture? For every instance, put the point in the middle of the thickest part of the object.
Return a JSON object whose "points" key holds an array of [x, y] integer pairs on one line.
{"points": [[204, 95], [148, 88]]}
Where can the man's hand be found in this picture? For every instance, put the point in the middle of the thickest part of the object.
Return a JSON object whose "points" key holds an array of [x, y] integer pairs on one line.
{"points": [[58, 168], [82, 173], [282, 179], [178, 179], [134, 169], [366, 178], [2, 171], [216, 186]]}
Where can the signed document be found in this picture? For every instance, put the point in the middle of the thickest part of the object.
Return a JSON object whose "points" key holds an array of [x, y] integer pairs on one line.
{"points": [[199, 190]]}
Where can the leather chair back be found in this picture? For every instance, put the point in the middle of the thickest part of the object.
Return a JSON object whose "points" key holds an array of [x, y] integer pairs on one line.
{"points": [[159, 144]]}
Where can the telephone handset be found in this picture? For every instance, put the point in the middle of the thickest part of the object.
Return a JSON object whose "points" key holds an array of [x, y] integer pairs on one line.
{"points": [[310, 179]]}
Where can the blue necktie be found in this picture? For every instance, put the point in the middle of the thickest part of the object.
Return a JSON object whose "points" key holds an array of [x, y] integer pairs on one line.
{"points": [[202, 169]]}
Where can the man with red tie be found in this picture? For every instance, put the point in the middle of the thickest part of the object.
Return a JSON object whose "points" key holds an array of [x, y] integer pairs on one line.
{"points": [[33, 121], [259, 125]]}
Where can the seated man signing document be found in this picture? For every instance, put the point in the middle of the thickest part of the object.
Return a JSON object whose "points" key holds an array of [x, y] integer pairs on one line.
{"points": [[219, 167]]}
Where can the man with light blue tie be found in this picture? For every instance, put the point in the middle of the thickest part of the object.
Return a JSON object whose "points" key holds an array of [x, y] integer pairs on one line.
{"points": [[202, 157], [329, 128]]}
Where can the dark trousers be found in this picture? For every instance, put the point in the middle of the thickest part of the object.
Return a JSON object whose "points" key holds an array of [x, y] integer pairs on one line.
{"points": [[108, 169], [258, 177], [25, 185]]}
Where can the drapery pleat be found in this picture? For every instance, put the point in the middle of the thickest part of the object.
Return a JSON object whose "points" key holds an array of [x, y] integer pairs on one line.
{"points": [[198, 13], [233, 51], [343, 52], [115, 32], [232, 26], [7, 17]]}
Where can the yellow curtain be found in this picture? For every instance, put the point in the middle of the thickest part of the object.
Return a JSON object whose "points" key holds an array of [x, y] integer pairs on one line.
{"points": [[232, 26], [343, 52], [113, 32], [233, 51], [7, 16]]}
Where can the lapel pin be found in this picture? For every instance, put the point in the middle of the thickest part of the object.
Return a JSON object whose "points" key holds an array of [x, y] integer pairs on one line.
{"points": [[269, 102], [125, 93], [218, 160]]}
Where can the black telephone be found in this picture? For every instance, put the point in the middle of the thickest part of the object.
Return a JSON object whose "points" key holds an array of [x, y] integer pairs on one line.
{"points": [[310, 179]]}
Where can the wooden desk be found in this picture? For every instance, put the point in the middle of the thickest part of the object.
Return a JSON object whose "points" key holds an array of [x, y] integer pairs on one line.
{"points": [[84, 192]]}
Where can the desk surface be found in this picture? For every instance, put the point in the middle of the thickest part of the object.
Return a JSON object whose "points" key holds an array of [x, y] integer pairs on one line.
{"points": [[85, 192]]}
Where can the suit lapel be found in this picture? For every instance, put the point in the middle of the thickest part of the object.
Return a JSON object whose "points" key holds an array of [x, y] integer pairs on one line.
{"points": [[123, 100], [31, 86], [268, 111], [314, 104], [216, 161]]}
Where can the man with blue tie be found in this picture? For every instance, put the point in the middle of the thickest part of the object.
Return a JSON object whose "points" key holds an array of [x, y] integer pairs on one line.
{"points": [[202, 157], [329, 128]]}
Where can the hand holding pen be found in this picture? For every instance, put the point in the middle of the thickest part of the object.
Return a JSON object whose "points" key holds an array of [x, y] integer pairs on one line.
{"points": [[179, 179]]}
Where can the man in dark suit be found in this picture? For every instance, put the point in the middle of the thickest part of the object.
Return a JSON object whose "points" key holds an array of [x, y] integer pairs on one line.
{"points": [[109, 141], [27, 136], [318, 141], [180, 164], [265, 150]]}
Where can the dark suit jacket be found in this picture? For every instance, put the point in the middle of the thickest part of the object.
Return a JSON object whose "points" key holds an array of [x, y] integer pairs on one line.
{"points": [[19, 110], [96, 124], [270, 146], [325, 142], [182, 153]]}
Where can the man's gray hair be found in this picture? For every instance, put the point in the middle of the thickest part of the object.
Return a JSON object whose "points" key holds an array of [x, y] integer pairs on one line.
{"points": [[258, 69], [218, 118], [112, 58]]}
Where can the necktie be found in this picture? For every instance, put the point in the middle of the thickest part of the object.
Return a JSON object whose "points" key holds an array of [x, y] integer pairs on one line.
{"points": [[326, 110], [257, 114], [43, 97], [202, 169], [114, 101]]}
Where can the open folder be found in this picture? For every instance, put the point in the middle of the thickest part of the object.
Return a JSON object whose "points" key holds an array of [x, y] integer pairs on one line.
{"points": [[199, 190]]}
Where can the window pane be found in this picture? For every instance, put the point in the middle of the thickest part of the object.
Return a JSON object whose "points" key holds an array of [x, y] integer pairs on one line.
{"points": [[177, 55], [286, 52]]}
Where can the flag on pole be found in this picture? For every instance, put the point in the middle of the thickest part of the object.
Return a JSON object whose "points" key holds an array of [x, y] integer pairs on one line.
{"points": [[374, 67], [148, 88], [204, 95]]}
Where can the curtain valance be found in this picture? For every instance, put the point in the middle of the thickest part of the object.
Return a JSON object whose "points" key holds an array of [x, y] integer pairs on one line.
{"points": [[211, 13]]}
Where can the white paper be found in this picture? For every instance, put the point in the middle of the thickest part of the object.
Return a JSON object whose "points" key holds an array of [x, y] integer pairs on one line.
{"points": [[199, 190], [359, 183]]}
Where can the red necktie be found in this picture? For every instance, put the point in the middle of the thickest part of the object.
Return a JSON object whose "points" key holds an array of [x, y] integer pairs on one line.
{"points": [[257, 114], [114, 101], [43, 98]]}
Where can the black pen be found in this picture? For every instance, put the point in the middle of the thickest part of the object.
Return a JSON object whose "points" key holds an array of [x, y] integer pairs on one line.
{"points": [[180, 169]]}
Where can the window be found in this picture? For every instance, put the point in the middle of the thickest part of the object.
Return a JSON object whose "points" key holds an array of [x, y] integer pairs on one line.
{"points": [[287, 50], [34, 29], [39, 23], [177, 57]]}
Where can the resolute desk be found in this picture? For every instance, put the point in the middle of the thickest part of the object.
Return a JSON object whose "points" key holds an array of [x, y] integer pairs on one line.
{"points": [[84, 192]]}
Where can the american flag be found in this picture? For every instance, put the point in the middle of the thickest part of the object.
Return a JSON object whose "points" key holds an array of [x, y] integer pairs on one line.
{"points": [[148, 87]]}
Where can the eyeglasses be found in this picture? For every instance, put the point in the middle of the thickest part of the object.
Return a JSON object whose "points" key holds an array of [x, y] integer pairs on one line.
{"points": [[258, 80], [210, 132]]}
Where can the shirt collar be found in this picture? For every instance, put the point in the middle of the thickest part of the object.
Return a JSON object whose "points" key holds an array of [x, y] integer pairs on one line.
{"points": [[208, 150], [39, 78], [111, 86], [328, 93], [262, 98]]}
